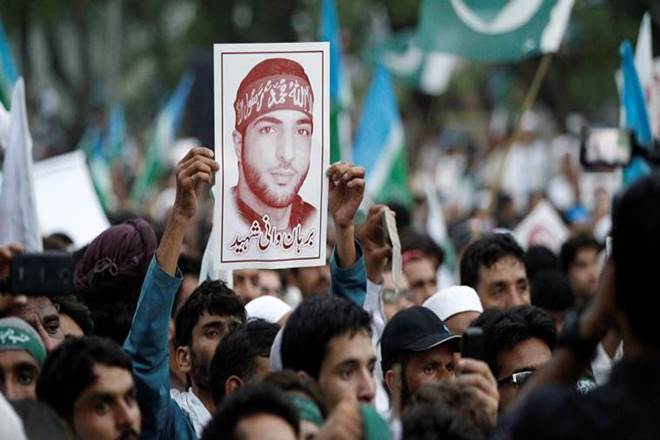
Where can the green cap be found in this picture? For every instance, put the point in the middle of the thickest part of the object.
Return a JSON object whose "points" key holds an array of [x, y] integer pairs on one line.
{"points": [[16, 334]]}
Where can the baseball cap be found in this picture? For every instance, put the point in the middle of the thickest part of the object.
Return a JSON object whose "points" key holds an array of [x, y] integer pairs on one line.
{"points": [[413, 330], [449, 301]]}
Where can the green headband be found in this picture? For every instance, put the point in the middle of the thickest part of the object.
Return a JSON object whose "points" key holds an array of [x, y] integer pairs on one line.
{"points": [[15, 338], [307, 410]]}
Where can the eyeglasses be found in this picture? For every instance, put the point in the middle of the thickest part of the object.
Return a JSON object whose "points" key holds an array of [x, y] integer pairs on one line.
{"points": [[517, 379]]}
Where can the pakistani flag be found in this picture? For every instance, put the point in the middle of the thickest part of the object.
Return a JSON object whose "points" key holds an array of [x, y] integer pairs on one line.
{"points": [[379, 143], [428, 72], [493, 30], [162, 138], [8, 74], [340, 88]]}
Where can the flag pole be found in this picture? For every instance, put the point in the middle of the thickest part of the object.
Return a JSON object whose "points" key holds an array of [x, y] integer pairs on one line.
{"points": [[529, 100]]}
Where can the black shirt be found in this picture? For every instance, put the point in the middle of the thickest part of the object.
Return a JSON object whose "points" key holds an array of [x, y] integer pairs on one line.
{"points": [[627, 407]]}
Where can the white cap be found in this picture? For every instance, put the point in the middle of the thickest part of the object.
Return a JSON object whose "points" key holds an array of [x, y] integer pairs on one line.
{"points": [[452, 300], [267, 307]]}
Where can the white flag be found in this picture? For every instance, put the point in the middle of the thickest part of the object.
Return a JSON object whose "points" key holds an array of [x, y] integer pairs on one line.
{"points": [[18, 215]]}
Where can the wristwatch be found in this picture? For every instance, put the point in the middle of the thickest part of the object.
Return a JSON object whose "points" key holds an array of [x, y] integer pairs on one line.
{"points": [[571, 339]]}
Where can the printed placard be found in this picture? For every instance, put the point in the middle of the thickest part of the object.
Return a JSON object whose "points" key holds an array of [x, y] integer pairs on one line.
{"points": [[273, 144]]}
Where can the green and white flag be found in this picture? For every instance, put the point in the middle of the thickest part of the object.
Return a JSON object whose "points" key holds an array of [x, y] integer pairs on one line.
{"points": [[340, 86], [493, 30], [429, 72], [161, 140], [380, 143]]}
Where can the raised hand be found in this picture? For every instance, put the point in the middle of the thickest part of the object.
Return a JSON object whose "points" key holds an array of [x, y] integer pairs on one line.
{"points": [[346, 192], [476, 375], [194, 171], [374, 246]]}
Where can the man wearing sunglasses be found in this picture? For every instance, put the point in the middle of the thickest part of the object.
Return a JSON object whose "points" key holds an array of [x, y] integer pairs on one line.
{"points": [[517, 342]]}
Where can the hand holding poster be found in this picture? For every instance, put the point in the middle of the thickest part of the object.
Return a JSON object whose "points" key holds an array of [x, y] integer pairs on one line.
{"points": [[272, 141]]}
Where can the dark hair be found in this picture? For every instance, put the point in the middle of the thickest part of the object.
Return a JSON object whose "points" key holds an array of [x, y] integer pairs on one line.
{"points": [[572, 246], [635, 244], [312, 325], [250, 401], [411, 240], [237, 354], [69, 370], [504, 329], [539, 258], [485, 252], [437, 420], [71, 306], [188, 266], [213, 297], [462, 401], [551, 290], [290, 382]]}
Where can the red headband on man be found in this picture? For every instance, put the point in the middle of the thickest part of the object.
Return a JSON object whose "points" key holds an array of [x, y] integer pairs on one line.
{"points": [[273, 84]]}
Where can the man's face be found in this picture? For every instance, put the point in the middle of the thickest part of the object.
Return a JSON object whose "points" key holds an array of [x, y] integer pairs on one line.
{"points": [[348, 369], [503, 285], [18, 374], [528, 355], [41, 314], [275, 151], [313, 280], [270, 283], [430, 366], [583, 273], [393, 300], [264, 427], [69, 327], [246, 284], [108, 409], [206, 335], [459, 322], [422, 279]]}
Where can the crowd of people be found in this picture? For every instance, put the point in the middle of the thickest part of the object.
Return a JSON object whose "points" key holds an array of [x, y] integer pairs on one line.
{"points": [[144, 349]]}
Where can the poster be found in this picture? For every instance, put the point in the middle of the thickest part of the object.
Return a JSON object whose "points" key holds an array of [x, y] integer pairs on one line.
{"points": [[272, 142]]}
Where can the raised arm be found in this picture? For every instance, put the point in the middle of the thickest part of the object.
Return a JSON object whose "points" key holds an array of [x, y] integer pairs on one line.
{"points": [[147, 340], [346, 263]]}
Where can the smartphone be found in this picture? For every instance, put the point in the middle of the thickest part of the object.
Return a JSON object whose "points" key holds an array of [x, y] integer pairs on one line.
{"points": [[605, 148], [472, 343], [41, 274]]}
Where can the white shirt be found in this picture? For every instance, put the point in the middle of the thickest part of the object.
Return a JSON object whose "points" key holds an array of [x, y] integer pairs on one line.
{"points": [[197, 413]]}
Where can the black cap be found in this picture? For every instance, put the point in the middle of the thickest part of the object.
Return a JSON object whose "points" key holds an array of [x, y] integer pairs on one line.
{"points": [[412, 330]]}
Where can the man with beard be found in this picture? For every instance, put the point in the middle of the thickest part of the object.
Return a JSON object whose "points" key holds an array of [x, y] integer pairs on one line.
{"points": [[272, 139], [201, 322], [88, 382], [417, 349]]}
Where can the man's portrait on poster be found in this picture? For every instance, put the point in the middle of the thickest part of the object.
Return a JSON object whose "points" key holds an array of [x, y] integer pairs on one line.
{"points": [[273, 140]]}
